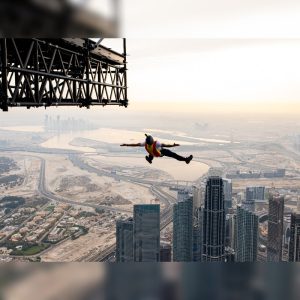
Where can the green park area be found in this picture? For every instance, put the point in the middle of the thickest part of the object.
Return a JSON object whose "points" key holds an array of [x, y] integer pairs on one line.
{"points": [[31, 250]]}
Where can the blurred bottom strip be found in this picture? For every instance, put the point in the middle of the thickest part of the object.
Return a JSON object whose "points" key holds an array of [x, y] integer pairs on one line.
{"points": [[174, 281]]}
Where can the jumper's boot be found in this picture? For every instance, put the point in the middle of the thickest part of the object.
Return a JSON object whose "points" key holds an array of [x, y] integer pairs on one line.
{"points": [[148, 159], [188, 159]]}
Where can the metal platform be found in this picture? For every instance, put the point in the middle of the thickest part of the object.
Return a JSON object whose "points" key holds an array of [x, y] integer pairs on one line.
{"points": [[61, 72]]}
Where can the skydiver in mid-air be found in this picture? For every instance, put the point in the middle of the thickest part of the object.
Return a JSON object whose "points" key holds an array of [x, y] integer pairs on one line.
{"points": [[157, 149]]}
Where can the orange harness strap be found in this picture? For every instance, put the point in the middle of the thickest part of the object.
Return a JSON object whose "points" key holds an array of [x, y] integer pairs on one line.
{"points": [[151, 149]]}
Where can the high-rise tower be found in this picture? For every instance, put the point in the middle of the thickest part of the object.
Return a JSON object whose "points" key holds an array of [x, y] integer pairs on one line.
{"points": [[275, 227], [246, 235], [294, 246], [227, 187], [214, 221], [183, 228], [146, 232], [124, 240]]}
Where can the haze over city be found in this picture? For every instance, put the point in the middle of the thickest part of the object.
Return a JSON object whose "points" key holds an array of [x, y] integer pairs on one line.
{"points": [[179, 143], [67, 183]]}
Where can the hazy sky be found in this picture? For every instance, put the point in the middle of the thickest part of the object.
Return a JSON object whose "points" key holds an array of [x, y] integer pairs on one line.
{"points": [[215, 72], [220, 54], [205, 19]]}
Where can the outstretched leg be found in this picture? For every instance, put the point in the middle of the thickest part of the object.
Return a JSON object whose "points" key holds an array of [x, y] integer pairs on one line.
{"points": [[149, 158], [169, 153]]}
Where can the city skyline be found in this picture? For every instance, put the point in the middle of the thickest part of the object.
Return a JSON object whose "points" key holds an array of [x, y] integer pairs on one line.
{"points": [[90, 170], [85, 213]]}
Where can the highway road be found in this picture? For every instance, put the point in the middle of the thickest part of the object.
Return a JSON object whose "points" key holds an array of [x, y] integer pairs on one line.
{"points": [[42, 189], [155, 188], [74, 158]]}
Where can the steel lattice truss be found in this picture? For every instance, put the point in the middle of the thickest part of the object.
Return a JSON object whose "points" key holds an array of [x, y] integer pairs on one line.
{"points": [[61, 72]]}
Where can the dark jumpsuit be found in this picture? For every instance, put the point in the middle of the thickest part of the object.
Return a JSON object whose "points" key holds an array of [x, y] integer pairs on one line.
{"points": [[169, 153]]}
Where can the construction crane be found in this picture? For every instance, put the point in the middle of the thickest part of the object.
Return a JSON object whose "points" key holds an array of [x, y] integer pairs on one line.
{"points": [[61, 72]]}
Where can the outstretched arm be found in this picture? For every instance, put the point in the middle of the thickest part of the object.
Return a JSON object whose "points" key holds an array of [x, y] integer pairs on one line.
{"points": [[131, 145], [169, 145]]}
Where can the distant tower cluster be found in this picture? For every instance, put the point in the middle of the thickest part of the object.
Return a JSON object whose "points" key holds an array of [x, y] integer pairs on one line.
{"points": [[275, 227], [205, 232], [52, 124], [138, 238]]}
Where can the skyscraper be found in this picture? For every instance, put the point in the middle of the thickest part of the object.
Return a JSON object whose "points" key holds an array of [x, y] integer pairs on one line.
{"points": [[275, 227], [183, 228], [197, 235], [124, 240], [230, 231], [165, 252], [197, 245], [252, 195], [146, 232], [196, 197], [214, 221], [227, 186], [246, 235], [255, 193], [294, 246]]}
